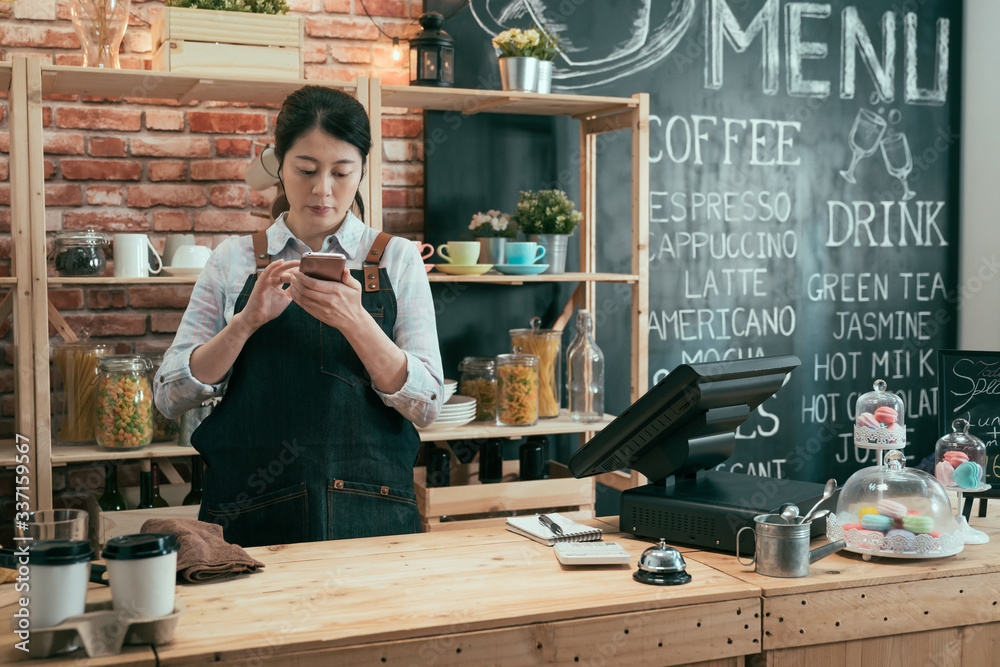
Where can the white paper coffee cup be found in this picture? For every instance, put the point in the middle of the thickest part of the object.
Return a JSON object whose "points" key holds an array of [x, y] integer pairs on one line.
{"points": [[142, 569], [57, 582]]}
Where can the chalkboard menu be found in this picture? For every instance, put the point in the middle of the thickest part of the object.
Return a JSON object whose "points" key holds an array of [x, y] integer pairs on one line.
{"points": [[804, 162], [970, 389]]}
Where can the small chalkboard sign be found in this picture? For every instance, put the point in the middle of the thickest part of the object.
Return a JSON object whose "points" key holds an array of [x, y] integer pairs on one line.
{"points": [[969, 385]]}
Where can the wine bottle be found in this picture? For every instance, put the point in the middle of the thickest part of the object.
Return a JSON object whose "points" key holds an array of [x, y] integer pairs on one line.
{"points": [[145, 485], [111, 500], [158, 501], [194, 495]]}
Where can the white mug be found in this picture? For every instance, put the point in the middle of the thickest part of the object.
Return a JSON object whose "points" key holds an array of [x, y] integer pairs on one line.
{"points": [[191, 257], [173, 242], [132, 258], [262, 172]]}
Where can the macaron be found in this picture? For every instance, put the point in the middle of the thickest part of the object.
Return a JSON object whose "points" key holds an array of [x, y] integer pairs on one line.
{"points": [[867, 510], [886, 415], [953, 455], [891, 508], [867, 419], [852, 526], [877, 522], [944, 471], [967, 475], [918, 524], [902, 533]]}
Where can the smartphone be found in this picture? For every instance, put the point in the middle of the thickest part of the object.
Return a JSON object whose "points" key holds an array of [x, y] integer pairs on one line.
{"points": [[323, 265]]}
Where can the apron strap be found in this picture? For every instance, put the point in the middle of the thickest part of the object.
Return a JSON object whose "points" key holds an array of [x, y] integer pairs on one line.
{"points": [[260, 250], [372, 261]]}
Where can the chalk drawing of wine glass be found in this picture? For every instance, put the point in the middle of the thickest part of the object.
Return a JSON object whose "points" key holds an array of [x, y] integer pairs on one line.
{"points": [[898, 161], [866, 133]]}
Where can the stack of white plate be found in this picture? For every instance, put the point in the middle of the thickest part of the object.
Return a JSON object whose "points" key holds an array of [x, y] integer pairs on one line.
{"points": [[449, 389], [456, 411]]}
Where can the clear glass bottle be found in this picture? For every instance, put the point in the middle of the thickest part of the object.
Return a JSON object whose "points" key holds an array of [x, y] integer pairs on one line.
{"points": [[585, 370], [111, 500], [517, 389], [124, 403], [479, 381], [194, 495]]}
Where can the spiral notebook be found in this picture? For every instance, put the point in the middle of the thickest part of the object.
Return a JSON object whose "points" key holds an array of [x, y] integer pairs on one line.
{"points": [[529, 526]]}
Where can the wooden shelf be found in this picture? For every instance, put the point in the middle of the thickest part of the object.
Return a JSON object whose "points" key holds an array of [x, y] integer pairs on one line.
{"points": [[470, 101], [63, 454], [501, 279], [143, 84], [110, 280], [475, 430], [7, 452], [8, 281]]}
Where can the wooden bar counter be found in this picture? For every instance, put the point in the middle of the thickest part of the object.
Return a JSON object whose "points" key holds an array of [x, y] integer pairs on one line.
{"points": [[481, 596], [484, 596]]}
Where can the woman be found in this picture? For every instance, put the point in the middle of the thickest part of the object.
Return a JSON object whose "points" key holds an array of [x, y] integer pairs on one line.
{"points": [[322, 381]]}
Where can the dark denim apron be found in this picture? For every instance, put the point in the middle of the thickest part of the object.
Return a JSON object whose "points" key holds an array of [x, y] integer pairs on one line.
{"points": [[301, 448]]}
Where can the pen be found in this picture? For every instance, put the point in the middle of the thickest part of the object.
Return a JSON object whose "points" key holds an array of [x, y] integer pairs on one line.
{"points": [[550, 524]]}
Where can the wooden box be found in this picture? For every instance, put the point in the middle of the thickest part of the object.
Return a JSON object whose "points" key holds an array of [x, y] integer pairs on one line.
{"points": [[105, 525], [204, 42], [469, 504]]}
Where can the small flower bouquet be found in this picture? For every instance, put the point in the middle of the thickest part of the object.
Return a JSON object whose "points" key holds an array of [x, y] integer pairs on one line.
{"points": [[546, 212], [492, 224], [531, 43]]}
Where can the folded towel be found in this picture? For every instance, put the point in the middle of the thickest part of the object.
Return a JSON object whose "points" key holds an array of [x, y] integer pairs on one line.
{"points": [[202, 553]]}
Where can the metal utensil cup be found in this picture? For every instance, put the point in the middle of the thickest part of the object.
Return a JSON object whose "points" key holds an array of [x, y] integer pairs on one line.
{"points": [[782, 549]]}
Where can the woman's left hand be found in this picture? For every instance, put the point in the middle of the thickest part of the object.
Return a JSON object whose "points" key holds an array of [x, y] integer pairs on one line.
{"points": [[335, 303]]}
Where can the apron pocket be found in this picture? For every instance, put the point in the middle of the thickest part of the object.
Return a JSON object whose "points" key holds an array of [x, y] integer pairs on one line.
{"points": [[278, 517], [337, 358], [368, 510]]}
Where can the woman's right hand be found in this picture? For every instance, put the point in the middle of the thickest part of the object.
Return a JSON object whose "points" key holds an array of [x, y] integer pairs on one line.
{"points": [[268, 298]]}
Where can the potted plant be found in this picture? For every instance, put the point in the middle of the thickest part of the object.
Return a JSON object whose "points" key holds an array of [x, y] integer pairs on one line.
{"points": [[492, 229], [548, 217], [526, 59]]}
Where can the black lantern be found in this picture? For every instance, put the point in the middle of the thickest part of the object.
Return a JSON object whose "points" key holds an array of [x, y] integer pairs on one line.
{"points": [[432, 54]]}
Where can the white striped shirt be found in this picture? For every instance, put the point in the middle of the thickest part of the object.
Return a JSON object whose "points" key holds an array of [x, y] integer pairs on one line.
{"points": [[214, 295]]}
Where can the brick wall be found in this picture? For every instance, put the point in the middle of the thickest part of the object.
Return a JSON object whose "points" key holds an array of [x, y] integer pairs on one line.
{"points": [[138, 165]]}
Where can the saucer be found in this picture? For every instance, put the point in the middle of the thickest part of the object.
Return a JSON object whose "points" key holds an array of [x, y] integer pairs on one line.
{"points": [[464, 269], [181, 271], [521, 269]]}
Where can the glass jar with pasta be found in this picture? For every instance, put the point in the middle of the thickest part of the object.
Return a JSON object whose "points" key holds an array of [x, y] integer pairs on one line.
{"points": [[546, 344], [78, 363], [479, 381], [517, 389], [164, 428], [124, 403]]}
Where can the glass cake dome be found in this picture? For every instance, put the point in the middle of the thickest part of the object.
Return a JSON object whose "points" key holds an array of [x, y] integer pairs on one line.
{"points": [[960, 459], [879, 419], [890, 510]]}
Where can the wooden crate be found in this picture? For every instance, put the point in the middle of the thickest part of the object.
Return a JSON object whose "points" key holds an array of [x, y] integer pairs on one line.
{"points": [[469, 504], [204, 42], [105, 525]]}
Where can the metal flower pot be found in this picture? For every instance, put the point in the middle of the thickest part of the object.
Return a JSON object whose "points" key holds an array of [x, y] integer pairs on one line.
{"points": [[492, 250], [519, 74], [555, 251], [544, 84]]}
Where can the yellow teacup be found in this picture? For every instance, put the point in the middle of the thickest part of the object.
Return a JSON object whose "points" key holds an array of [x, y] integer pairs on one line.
{"points": [[459, 252]]}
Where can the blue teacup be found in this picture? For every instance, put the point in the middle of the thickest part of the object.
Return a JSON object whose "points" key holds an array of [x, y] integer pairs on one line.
{"points": [[524, 252]]}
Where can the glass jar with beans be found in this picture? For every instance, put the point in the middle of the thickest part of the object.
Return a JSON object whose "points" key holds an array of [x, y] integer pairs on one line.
{"points": [[124, 402], [80, 252]]}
